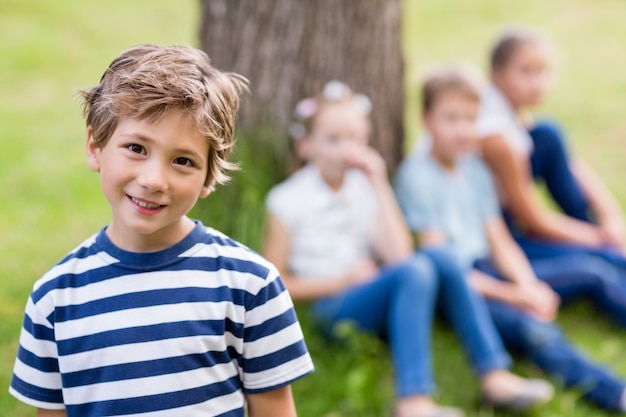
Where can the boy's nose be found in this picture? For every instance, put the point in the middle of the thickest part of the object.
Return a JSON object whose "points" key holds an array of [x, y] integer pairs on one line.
{"points": [[153, 176]]}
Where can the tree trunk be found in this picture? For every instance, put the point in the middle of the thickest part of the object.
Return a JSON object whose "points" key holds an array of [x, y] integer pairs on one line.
{"points": [[289, 49]]}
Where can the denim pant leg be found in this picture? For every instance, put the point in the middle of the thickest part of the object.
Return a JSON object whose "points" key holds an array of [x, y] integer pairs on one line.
{"points": [[585, 275], [548, 348], [550, 162], [542, 249], [468, 313], [398, 305]]}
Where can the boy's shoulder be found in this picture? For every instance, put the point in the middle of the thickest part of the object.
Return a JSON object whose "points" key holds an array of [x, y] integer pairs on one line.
{"points": [[80, 258], [417, 167], [205, 247], [218, 244]]}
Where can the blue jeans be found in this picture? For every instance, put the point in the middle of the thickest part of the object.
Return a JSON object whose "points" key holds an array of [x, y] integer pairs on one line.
{"points": [[576, 276], [399, 306], [586, 276], [601, 271], [547, 347], [550, 163], [545, 344]]}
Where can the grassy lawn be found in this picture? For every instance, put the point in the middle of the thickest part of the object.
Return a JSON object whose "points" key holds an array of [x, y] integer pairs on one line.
{"points": [[52, 202]]}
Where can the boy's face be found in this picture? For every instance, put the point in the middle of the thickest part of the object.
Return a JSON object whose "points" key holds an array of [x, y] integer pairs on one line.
{"points": [[152, 174], [525, 79], [336, 131], [451, 123]]}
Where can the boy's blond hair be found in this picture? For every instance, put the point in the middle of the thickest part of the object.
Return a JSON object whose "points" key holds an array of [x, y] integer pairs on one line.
{"points": [[449, 79], [148, 81]]}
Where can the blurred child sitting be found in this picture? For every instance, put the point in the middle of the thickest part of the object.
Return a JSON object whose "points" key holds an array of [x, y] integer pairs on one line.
{"points": [[337, 236], [448, 198], [521, 151]]}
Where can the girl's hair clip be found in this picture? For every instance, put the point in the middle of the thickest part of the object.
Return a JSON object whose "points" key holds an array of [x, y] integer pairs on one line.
{"points": [[363, 103], [333, 91], [336, 90], [305, 108]]}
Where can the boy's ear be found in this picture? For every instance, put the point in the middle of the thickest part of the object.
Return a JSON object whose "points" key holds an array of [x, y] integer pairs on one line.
{"points": [[93, 152], [206, 190]]}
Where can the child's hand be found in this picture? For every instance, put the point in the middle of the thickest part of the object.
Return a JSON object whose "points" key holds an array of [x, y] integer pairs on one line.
{"points": [[539, 300], [369, 161], [364, 272], [614, 233]]}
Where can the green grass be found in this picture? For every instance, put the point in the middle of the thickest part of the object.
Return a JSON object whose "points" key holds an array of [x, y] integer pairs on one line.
{"points": [[52, 202]]}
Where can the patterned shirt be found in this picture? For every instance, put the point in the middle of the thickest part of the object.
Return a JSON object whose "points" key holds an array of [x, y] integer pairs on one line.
{"points": [[183, 331]]}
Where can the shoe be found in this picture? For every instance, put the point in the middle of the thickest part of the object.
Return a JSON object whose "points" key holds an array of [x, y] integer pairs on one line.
{"points": [[441, 411], [535, 392]]}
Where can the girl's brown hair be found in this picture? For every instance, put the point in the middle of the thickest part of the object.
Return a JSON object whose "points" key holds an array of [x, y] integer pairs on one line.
{"points": [[509, 42]]}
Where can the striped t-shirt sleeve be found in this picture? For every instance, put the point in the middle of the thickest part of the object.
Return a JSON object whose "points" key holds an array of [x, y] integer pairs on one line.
{"points": [[274, 351], [37, 362]]}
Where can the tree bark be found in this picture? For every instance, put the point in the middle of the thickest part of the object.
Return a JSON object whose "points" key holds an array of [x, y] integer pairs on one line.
{"points": [[289, 49]]}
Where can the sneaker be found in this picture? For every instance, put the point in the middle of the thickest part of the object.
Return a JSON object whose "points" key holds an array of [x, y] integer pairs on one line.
{"points": [[441, 411], [534, 393]]}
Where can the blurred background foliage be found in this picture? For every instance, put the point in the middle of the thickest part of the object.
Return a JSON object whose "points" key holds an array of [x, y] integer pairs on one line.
{"points": [[52, 202]]}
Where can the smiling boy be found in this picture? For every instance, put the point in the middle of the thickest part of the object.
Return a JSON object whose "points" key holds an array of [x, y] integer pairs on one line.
{"points": [[158, 314]]}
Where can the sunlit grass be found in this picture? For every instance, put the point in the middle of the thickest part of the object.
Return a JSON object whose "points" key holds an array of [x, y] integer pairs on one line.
{"points": [[52, 202]]}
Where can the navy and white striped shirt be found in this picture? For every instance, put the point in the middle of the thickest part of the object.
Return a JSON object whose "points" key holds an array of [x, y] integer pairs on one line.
{"points": [[187, 330]]}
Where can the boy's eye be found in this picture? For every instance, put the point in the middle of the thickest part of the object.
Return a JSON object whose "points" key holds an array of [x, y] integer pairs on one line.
{"points": [[184, 161], [135, 148]]}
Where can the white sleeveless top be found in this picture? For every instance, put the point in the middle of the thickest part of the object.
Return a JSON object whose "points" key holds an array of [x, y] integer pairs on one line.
{"points": [[496, 116]]}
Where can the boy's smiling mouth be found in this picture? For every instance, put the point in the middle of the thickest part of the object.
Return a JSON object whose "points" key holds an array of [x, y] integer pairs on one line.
{"points": [[145, 204]]}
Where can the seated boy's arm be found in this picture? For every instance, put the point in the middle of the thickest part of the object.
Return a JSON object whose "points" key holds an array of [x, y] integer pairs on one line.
{"points": [[41, 412], [538, 300], [275, 403], [493, 288], [430, 237], [507, 256]]}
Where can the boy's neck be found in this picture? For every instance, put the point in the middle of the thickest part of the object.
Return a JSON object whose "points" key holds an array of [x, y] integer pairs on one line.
{"points": [[448, 164], [133, 242]]}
